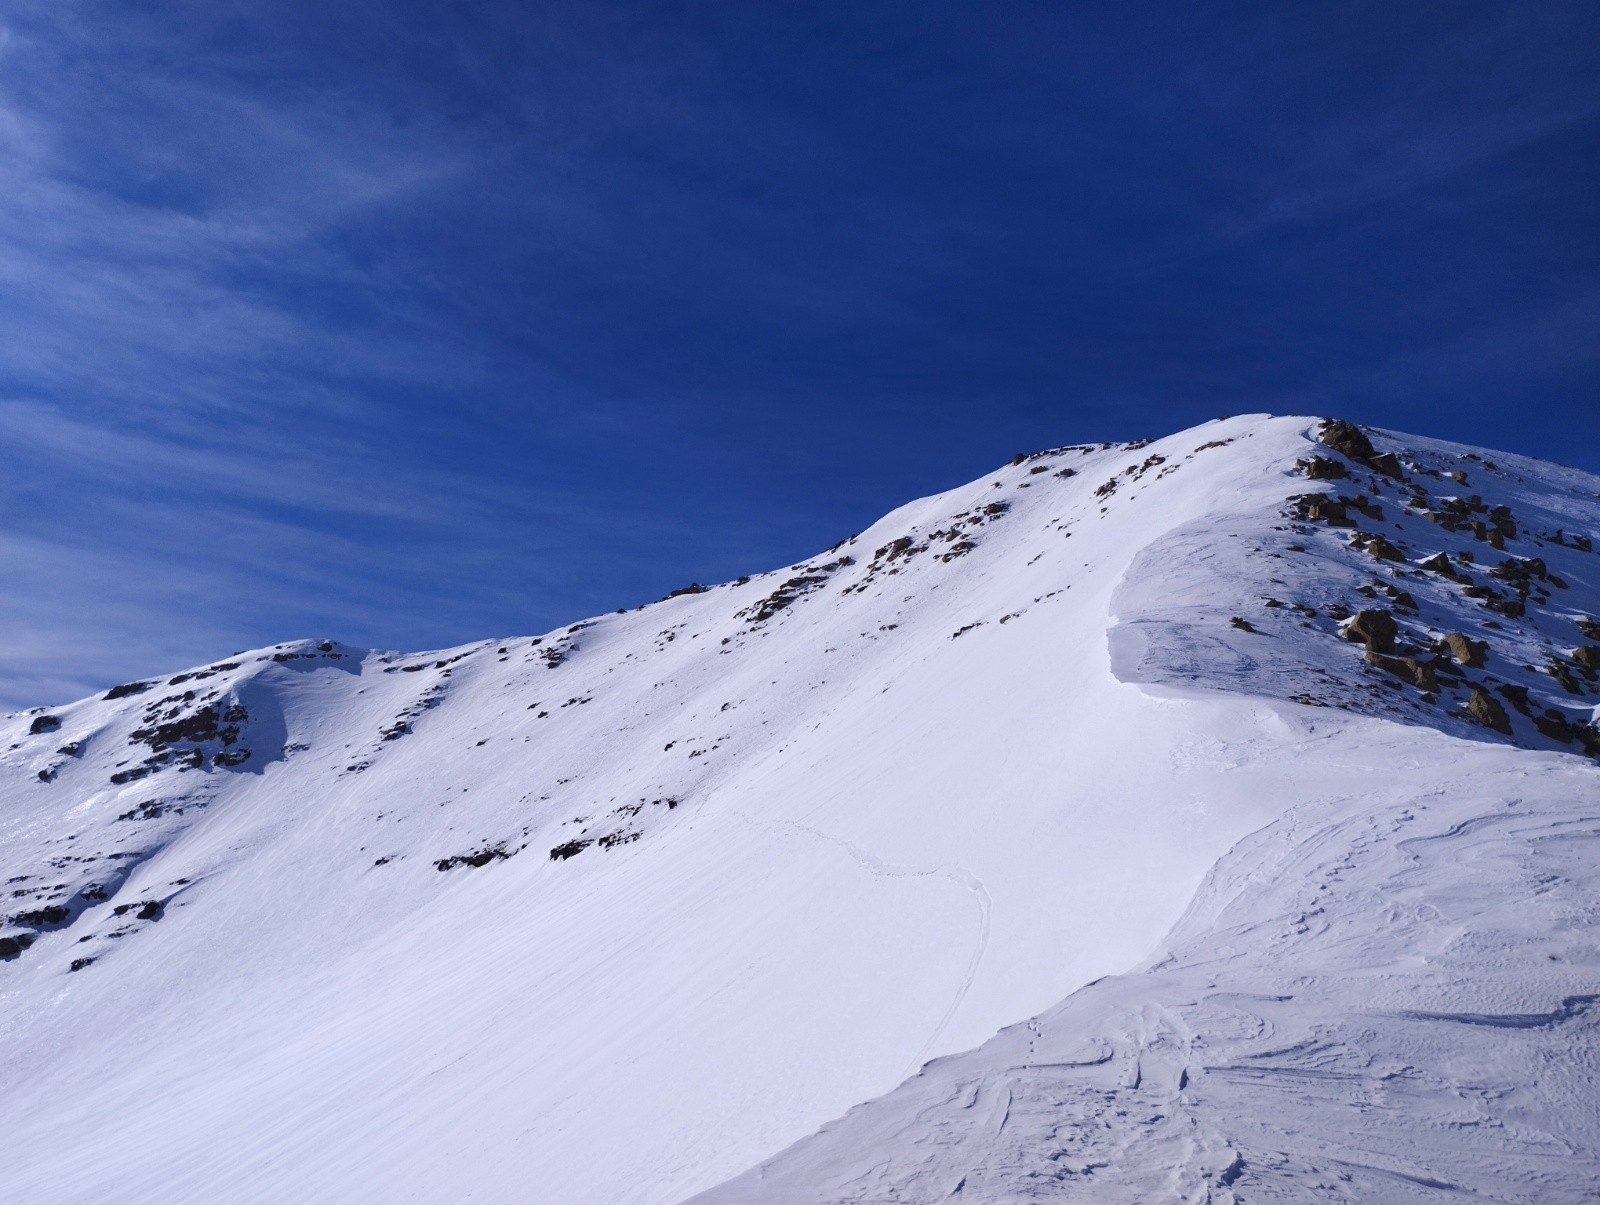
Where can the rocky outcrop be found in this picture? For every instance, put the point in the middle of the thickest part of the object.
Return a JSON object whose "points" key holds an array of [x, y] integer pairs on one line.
{"points": [[1351, 442], [1322, 468], [1375, 628], [1386, 464], [1464, 649], [1486, 709], [1347, 439], [1441, 564], [1419, 673]]}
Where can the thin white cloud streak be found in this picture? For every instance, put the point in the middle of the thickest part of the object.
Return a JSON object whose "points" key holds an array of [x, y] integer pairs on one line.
{"points": [[161, 413]]}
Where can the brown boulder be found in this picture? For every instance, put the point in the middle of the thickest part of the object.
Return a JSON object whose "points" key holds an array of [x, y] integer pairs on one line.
{"points": [[1440, 563], [1347, 439], [1559, 670], [1387, 465], [1555, 726], [1588, 656], [1486, 709], [1322, 468], [1517, 696], [1464, 649], [1382, 550], [1375, 628], [1419, 673]]}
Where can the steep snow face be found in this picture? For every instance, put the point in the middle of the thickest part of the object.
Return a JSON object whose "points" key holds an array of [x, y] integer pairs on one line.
{"points": [[611, 914]]}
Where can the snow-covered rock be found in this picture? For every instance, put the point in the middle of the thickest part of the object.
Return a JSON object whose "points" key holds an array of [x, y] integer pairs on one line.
{"points": [[616, 913]]}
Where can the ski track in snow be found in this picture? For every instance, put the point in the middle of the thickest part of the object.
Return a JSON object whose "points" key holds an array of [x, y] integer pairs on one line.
{"points": [[622, 913]]}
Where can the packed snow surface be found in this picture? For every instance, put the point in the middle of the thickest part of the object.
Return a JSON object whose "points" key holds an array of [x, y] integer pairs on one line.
{"points": [[1212, 836]]}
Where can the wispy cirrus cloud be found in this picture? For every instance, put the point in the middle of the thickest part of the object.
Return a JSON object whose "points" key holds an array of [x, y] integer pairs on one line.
{"points": [[403, 323], [196, 453]]}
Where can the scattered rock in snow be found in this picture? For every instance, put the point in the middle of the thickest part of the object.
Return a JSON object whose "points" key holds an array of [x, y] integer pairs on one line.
{"points": [[1464, 649], [1486, 709], [1376, 628]]}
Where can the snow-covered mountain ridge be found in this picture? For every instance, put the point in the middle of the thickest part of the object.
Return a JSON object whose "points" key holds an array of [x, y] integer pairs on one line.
{"points": [[615, 913]]}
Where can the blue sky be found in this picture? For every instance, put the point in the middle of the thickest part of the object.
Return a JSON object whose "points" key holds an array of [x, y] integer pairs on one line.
{"points": [[410, 323]]}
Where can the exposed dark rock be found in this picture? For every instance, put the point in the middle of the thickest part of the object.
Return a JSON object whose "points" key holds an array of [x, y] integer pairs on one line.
{"points": [[1587, 656], [1562, 673], [691, 588], [1555, 726], [1386, 464], [44, 723], [53, 914], [1382, 550], [1521, 569], [198, 728], [1243, 624], [1347, 439], [1464, 649], [481, 857], [1322, 508], [126, 689], [79, 963], [568, 849], [1440, 563], [1322, 468], [1375, 628], [958, 549], [1517, 696], [1419, 673], [1486, 709]]}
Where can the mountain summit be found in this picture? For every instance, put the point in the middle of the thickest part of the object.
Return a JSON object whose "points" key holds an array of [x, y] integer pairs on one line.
{"points": [[1211, 818]]}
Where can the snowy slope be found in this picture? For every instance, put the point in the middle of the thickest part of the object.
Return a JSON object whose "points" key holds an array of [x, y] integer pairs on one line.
{"points": [[1390, 992], [612, 914]]}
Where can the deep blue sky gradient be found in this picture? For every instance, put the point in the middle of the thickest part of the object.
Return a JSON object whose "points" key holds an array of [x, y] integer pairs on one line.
{"points": [[412, 322]]}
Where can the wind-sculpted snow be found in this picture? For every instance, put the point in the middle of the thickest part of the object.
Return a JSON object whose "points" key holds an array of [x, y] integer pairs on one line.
{"points": [[1493, 591], [613, 913], [1388, 994]]}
